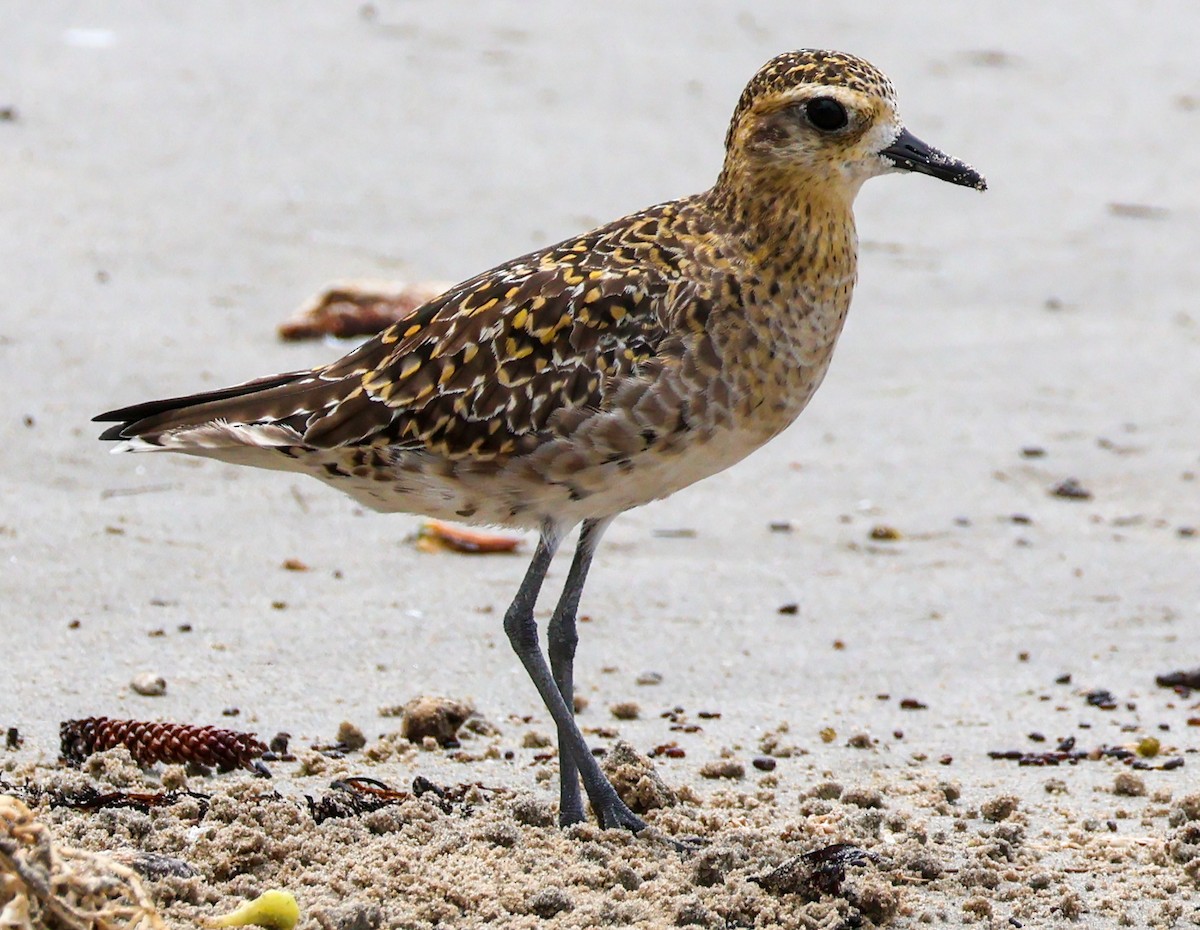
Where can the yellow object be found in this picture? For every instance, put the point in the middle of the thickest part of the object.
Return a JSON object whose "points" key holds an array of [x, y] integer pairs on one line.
{"points": [[274, 909]]}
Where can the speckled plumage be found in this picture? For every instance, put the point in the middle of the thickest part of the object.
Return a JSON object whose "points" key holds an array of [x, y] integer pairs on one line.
{"points": [[577, 381], [606, 371]]}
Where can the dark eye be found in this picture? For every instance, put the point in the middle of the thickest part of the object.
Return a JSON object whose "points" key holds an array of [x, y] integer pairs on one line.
{"points": [[826, 114]]}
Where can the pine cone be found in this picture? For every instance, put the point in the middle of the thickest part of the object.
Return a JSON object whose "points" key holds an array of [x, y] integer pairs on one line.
{"points": [[150, 743]]}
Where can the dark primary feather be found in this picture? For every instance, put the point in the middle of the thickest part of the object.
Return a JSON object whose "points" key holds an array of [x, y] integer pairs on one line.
{"points": [[130, 420]]}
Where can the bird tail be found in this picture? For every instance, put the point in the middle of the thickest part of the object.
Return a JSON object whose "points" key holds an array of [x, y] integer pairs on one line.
{"points": [[266, 412]]}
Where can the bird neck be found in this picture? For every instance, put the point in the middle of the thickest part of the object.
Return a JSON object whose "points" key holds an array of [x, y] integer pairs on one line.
{"points": [[787, 220]]}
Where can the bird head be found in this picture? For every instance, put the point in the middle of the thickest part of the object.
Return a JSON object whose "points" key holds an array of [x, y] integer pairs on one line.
{"points": [[827, 119]]}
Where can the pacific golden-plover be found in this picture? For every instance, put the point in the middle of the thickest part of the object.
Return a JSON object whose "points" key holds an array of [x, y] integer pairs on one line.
{"points": [[573, 383]]}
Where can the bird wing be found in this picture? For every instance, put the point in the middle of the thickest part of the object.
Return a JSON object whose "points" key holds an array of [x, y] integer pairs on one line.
{"points": [[483, 370]]}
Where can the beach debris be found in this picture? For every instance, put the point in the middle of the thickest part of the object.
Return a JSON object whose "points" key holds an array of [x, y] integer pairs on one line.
{"points": [[1071, 489], [1128, 785], [150, 743], [438, 536], [154, 866], [535, 739], [13, 738], [816, 873], [1066, 753], [277, 749], [349, 739], [352, 797], [678, 719], [674, 532], [882, 533], [347, 309], [776, 742], [1188, 680], [723, 768], [274, 909], [350, 736], [625, 710], [149, 684], [91, 799], [999, 808], [45, 884], [1138, 211], [436, 718], [1102, 698]]}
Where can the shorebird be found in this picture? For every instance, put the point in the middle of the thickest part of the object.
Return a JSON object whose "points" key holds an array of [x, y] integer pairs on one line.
{"points": [[569, 385]]}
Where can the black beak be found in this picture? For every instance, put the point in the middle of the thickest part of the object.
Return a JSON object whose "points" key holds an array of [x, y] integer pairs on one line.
{"points": [[909, 153]]}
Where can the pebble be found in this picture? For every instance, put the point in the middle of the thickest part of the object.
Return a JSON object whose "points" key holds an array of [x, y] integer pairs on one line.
{"points": [[350, 736], [1071, 489], [625, 710], [1128, 785], [435, 718], [999, 808], [149, 684], [723, 768]]}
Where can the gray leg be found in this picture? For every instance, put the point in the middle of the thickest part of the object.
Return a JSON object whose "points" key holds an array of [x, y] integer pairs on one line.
{"points": [[561, 641], [522, 634]]}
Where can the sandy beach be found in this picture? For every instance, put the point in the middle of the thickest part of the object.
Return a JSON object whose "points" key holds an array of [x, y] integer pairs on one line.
{"points": [[988, 516]]}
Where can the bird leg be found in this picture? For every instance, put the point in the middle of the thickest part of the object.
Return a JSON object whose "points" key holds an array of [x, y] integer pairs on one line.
{"points": [[521, 629], [561, 641]]}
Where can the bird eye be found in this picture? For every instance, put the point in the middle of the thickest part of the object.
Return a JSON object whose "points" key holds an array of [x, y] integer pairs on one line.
{"points": [[826, 114]]}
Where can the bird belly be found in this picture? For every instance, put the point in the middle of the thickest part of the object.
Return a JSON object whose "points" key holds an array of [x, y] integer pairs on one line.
{"points": [[558, 485]]}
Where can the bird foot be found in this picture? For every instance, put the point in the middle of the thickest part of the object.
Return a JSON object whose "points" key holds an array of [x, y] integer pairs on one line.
{"points": [[688, 845], [614, 815], [569, 816]]}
